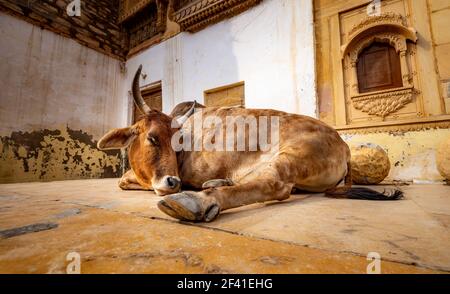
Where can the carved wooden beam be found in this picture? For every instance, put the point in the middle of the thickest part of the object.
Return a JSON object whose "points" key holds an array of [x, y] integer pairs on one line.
{"points": [[197, 14]]}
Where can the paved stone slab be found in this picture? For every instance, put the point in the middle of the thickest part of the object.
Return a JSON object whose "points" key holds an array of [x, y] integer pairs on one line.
{"points": [[114, 242], [412, 231]]}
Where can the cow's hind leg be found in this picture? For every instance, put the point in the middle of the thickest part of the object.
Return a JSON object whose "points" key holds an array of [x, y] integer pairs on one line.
{"points": [[207, 204]]}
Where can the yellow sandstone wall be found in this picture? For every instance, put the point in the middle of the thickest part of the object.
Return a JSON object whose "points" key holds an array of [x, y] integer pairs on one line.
{"points": [[439, 13], [411, 149], [412, 154]]}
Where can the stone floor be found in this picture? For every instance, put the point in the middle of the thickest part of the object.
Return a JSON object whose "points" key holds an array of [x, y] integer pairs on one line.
{"points": [[123, 232]]}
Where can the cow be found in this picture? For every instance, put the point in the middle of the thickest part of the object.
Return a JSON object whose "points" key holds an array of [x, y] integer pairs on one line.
{"points": [[310, 156], [129, 181]]}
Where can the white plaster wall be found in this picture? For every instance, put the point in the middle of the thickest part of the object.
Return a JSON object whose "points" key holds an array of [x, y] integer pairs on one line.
{"points": [[270, 47], [48, 81]]}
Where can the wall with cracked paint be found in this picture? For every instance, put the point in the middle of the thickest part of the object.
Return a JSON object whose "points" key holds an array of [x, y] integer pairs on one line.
{"points": [[57, 154], [57, 99]]}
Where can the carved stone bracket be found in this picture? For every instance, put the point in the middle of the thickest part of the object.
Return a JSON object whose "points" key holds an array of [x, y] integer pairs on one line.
{"points": [[384, 103], [198, 14]]}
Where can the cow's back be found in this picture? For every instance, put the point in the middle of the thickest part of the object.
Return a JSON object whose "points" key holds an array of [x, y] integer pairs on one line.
{"points": [[317, 154]]}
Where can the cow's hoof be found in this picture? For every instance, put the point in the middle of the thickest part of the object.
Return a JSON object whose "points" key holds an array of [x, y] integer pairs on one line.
{"points": [[217, 183], [188, 207]]}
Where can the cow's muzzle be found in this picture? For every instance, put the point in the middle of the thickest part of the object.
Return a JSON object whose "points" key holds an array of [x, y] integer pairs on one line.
{"points": [[168, 185]]}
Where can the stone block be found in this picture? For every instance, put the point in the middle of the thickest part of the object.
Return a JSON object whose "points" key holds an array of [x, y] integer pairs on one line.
{"points": [[370, 164]]}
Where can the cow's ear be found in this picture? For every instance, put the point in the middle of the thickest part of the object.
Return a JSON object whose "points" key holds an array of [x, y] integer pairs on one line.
{"points": [[117, 139], [179, 121]]}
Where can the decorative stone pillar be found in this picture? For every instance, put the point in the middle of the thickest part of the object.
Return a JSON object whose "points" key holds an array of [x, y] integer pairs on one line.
{"points": [[354, 89], [405, 70]]}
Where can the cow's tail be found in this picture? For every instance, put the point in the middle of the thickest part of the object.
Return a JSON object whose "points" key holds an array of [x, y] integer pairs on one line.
{"points": [[362, 193]]}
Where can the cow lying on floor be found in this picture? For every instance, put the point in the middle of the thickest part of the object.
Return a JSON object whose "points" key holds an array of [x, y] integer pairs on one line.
{"points": [[309, 155], [129, 180]]}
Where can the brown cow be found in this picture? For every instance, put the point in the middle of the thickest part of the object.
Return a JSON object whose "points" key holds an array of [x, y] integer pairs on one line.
{"points": [[129, 181], [311, 156]]}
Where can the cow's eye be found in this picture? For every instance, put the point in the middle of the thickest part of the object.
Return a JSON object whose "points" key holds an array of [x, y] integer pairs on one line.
{"points": [[153, 140]]}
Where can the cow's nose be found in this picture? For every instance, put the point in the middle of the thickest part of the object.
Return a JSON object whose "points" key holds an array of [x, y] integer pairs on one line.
{"points": [[173, 182]]}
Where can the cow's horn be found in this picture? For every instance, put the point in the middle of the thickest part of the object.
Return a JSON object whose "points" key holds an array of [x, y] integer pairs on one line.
{"points": [[137, 96], [182, 119]]}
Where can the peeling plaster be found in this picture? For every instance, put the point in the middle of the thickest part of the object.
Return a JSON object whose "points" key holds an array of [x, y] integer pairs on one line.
{"points": [[58, 154]]}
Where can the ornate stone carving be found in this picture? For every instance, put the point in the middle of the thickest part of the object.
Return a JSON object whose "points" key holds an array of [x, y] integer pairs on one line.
{"points": [[388, 28], [374, 26], [395, 40], [161, 19], [143, 20], [383, 103], [128, 8], [141, 29], [197, 14], [404, 126], [386, 18], [346, 27]]}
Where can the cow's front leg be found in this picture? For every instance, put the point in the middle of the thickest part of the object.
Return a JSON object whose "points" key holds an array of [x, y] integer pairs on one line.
{"points": [[206, 205], [190, 206], [129, 182], [217, 183]]}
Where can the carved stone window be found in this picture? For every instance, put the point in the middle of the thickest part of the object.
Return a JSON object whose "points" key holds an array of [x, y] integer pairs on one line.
{"points": [[376, 56], [379, 68], [149, 22], [144, 22], [142, 26]]}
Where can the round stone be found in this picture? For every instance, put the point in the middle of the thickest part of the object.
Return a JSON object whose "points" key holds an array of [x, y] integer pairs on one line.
{"points": [[443, 159], [370, 164]]}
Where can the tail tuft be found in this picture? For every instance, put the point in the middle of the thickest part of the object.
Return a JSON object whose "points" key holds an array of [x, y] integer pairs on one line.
{"points": [[365, 194], [369, 194], [362, 193]]}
